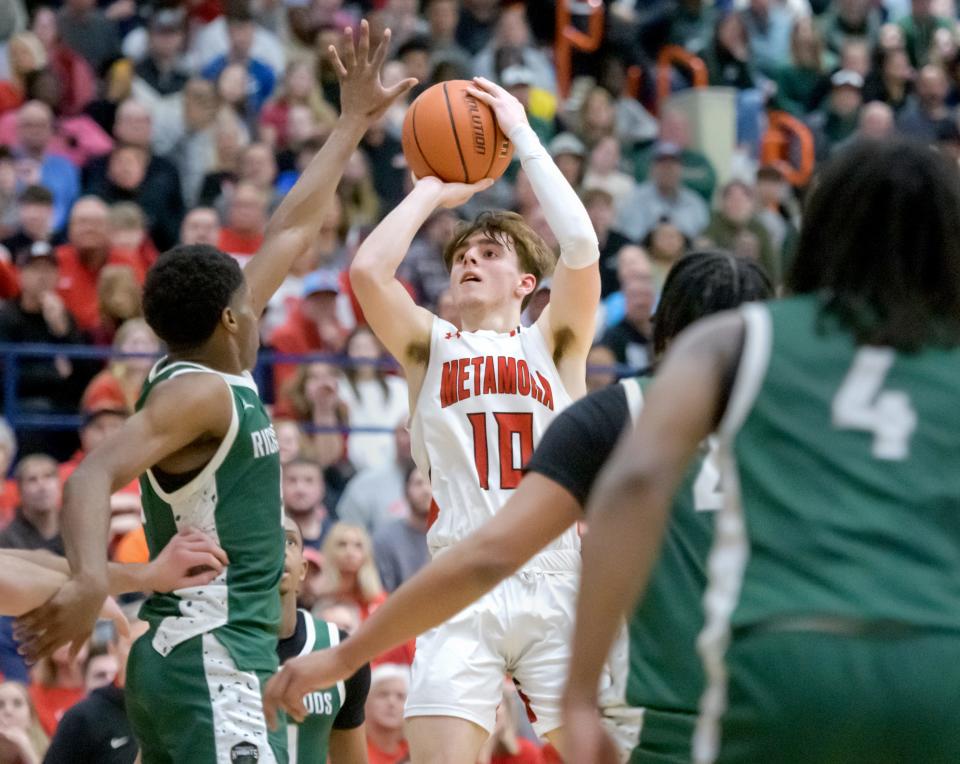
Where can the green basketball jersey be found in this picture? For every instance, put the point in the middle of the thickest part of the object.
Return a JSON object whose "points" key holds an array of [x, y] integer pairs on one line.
{"points": [[308, 741], [665, 672], [235, 499], [842, 466]]}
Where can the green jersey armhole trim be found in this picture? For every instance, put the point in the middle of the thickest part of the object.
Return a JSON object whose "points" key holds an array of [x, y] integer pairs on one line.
{"points": [[334, 631], [752, 368], [634, 395], [311, 638], [218, 457], [241, 380]]}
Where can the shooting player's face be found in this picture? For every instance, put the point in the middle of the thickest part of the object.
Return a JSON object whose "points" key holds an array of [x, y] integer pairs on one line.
{"points": [[486, 271]]}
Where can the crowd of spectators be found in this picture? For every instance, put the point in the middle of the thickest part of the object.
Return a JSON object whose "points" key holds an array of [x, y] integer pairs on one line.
{"points": [[129, 127]]}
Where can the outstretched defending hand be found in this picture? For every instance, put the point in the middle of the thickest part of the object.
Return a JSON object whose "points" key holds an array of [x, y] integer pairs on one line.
{"points": [[297, 677], [507, 109], [362, 94], [68, 616]]}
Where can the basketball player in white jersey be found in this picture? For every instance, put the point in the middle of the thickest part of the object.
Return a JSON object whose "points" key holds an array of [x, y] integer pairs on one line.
{"points": [[481, 397]]}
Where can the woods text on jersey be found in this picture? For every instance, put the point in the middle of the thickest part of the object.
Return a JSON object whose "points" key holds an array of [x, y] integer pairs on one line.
{"points": [[464, 378]]}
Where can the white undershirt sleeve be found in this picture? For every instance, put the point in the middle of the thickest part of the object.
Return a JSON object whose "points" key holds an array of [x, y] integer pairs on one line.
{"points": [[565, 213]]}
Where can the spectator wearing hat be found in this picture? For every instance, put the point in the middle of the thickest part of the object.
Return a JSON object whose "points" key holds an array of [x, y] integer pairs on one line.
{"points": [[663, 195], [85, 254], [518, 80], [312, 326], [927, 107], [569, 153], [39, 314], [837, 120], [36, 523], [161, 69], [103, 409], [735, 220], [35, 218], [36, 164], [696, 172]]}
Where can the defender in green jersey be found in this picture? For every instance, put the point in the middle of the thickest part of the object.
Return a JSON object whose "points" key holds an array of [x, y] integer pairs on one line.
{"points": [[208, 454], [654, 677], [833, 610], [334, 725]]}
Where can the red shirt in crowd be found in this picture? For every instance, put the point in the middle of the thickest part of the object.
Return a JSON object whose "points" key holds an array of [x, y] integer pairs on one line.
{"points": [[377, 756], [53, 702], [9, 282], [77, 284], [234, 243], [298, 334]]}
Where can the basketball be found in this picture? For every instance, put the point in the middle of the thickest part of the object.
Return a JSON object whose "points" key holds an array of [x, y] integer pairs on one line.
{"points": [[451, 135]]}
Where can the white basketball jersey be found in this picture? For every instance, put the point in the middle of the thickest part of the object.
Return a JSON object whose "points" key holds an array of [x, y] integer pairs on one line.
{"points": [[486, 400]]}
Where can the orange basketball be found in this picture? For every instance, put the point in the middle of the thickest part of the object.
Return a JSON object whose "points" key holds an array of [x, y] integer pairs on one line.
{"points": [[449, 134]]}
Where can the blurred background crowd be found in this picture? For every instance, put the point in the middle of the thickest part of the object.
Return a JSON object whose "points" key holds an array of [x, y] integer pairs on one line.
{"points": [[128, 127]]}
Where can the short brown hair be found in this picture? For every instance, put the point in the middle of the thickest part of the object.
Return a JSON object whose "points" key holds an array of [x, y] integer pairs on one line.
{"points": [[511, 229]]}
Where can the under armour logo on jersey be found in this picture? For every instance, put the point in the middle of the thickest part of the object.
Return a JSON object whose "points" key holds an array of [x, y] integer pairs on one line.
{"points": [[452, 336]]}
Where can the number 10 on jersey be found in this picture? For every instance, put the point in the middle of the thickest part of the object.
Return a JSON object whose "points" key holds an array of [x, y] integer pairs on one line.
{"points": [[514, 439]]}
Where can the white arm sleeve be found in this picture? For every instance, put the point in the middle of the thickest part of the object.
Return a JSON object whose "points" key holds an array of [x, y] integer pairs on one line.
{"points": [[565, 213]]}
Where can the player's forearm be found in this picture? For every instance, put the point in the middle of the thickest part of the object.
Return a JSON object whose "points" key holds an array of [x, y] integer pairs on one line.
{"points": [[434, 595], [85, 524], [626, 520], [381, 253], [565, 213], [128, 577], [25, 584], [296, 223]]}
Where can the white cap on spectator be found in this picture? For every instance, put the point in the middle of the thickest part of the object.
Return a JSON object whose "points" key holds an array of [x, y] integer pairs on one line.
{"points": [[567, 143], [847, 77], [390, 671], [518, 74]]}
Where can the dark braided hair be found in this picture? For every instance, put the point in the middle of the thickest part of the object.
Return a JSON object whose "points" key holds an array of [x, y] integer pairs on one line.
{"points": [[186, 291], [704, 282]]}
